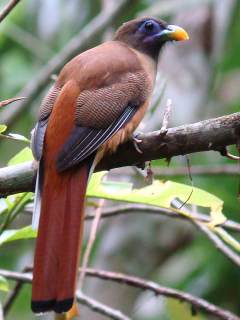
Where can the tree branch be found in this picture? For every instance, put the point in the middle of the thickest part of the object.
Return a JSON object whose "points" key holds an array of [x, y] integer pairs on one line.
{"points": [[7, 9], [14, 293], [198, 303], [8, 101], [219, 244], [100, 307], [136, 208], [197, 219], [212, 134], [224, 169]]}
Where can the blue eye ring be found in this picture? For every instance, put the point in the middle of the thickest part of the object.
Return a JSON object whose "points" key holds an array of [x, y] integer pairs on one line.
{"points": [[149, 26]]}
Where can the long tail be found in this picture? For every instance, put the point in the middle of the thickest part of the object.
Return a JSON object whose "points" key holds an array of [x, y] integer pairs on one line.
{"points": [[59, 239]]}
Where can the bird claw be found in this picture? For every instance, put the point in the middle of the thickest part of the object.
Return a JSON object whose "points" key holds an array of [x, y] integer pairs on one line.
{"points": [[136, 141], [163, 132]]}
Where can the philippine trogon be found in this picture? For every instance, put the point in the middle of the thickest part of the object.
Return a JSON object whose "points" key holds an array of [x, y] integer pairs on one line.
{"points": [[96, 103]]}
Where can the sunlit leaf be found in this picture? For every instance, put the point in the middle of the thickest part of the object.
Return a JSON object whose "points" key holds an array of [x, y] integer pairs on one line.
{"points": [[22, 156], [3, 128], [178, 311], [3, 206], [4, 286], [17, 234], [159, 193], [18, 137]]}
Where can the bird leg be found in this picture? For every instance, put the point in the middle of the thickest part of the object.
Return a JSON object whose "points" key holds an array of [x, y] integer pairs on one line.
{"points": [[136, 141]]}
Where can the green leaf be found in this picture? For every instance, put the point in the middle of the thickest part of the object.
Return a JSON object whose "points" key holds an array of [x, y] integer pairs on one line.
{"points": [[3, 206], [3, 128], [18, 137], [178, 311], [4, 286], [17, 234], [159, 193], [22, 156]]}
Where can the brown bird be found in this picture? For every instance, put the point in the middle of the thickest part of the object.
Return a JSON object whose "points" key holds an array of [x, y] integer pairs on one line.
{"points": [[97, 102]]}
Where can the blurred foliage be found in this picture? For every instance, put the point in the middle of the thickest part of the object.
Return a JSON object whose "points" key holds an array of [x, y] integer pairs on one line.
{"points": [[190, 263]]}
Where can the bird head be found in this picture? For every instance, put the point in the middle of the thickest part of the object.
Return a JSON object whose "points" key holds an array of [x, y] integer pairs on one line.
{"points": [[149, 34]]}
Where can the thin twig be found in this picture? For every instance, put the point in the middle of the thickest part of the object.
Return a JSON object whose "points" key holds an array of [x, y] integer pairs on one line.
{"points": [[135, 208], [100, 307], [225, 169], [7, 9], [213, 237], [191, 180], [141, 209], [195, 218], [136, 282], [166, 117], [81, 298], [225, 153], [232, 156], [14, 293], [219, 244], [92, 238], [8, 101]]}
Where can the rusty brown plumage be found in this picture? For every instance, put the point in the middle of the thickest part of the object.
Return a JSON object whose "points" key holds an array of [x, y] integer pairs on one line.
{"points": [[99, 99]]}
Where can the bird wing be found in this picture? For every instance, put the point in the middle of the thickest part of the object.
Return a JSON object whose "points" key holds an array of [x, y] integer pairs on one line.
{"points": [[100, 113], [112, 85], [84, 141], [38, 132]]}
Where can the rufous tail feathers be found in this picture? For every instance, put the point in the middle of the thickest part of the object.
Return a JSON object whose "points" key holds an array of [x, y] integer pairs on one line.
{"points": [[59, 239]]}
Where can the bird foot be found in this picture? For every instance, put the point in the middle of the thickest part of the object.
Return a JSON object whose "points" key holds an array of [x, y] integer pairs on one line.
{"points": [[136, 141], [163, 132]]}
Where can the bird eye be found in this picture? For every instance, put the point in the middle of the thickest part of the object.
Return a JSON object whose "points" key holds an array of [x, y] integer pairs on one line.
{"points": [[149, 26]]}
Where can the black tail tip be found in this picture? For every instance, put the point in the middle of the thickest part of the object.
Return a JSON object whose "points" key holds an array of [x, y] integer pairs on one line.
{"points": [[59, 306], [39, 306]]}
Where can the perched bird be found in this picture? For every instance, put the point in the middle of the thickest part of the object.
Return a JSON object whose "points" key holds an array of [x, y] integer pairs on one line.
{"points": [[97, 102]]}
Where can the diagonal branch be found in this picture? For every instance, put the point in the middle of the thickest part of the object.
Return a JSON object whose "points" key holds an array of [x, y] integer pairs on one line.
{"points": [[8, 101], [13, 294], [135, 208], [198, 303], [100, 307], [212, 134], [224, 169], [91, 240], [7, 9]]}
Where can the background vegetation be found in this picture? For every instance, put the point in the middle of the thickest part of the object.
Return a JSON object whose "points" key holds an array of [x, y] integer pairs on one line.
{"points": [[202, 78]]}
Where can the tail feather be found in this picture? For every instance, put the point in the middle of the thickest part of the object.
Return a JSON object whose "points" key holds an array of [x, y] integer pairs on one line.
{"points": [[59, 240], [37, 204]]}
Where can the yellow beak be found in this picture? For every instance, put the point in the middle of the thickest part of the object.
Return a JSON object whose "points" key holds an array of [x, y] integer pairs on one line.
{"points": [[176, 33]]}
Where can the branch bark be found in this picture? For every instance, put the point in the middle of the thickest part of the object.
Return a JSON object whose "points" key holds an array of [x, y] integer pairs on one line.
{"points": [[7, 9], [100, 307], [213, 134], [135, 208], [198, 303]]}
